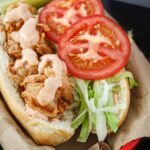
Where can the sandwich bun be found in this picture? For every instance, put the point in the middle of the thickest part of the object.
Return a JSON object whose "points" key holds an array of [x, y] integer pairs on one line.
{"points": [[46, 132]]}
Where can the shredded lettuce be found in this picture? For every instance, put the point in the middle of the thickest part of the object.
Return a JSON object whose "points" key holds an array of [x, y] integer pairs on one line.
{"points": [[78, 121], [35, 3], [100, 100], [126, 74], [85, 130], [82, 111], [116, 88], [112, 119], [101, 128], [94, 118], [98, 91], [97, 108], [113, 109], [83, 87], [90, 90]]}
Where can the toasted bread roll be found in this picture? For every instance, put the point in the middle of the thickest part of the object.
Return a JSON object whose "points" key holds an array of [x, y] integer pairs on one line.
{"points": [[35, 85]]}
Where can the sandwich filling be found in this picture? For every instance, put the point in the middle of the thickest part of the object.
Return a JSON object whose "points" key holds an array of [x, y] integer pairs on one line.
{"points": [[39, 75]]}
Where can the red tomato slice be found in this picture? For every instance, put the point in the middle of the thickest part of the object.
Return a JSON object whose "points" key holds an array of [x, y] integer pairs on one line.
{"points": [[94, 48], [59, 15]]}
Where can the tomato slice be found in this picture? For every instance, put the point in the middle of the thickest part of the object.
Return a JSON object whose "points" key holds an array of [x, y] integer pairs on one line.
{"points": [[94, 48], [59, 15]]}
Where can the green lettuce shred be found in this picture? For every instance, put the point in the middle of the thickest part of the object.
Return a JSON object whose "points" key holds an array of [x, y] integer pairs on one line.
{"points": [[116, 88], [97, 105], [78, 121], [112, 121], [112, 118], [35, 3], [85, 130], [82, 111], [120, 76]]}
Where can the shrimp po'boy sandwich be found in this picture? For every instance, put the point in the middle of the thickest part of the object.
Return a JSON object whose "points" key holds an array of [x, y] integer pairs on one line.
{"points": [[63, 67]]}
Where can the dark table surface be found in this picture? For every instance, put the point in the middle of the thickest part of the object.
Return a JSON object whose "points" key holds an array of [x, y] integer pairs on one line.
{"points": [[133, 18]]}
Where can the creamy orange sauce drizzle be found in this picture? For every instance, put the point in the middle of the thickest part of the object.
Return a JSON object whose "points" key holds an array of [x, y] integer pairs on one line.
{"points": [[51, 84], [28, 35], [29, 57], [21, 12]]}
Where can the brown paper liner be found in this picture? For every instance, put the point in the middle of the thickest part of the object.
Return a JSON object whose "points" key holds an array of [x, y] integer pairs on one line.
{"points": [[137, 123], [12, 136]]}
